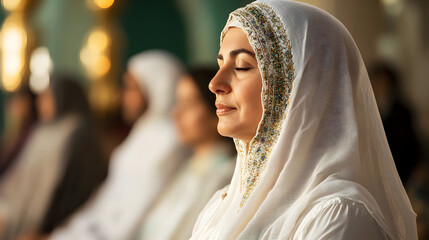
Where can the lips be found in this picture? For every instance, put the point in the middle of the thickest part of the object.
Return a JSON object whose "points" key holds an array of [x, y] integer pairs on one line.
{"points": [[223, 109]]}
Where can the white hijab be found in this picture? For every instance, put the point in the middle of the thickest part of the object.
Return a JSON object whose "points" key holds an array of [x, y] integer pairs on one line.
{"points": [[320, 136], [142, 165], [157, 73]]}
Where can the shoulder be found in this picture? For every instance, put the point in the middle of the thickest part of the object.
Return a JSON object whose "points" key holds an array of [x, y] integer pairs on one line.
{"points": [[339, 218], [208, 212]]}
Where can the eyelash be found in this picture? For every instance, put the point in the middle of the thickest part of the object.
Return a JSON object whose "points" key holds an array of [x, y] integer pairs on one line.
{"points": [[241, 69]]}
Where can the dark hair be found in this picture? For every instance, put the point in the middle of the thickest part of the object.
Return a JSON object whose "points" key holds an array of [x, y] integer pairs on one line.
{"points": [[69, 96], [202, 77], [387, 70], [85, 166]]}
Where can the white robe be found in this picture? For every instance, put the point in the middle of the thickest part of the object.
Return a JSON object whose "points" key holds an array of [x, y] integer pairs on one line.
{"points": [[175, 213], [142, 165], [26, 189], [319, 166], [131, 186]]}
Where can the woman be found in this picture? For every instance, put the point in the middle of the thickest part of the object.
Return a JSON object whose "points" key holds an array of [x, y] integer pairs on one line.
{"points": [[143, 164], [394, 112], [21, 117], [313, 160], [59, 167], [209, 168]]}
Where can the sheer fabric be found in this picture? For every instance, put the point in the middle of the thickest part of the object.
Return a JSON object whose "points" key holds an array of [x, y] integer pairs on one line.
{"points": [[175, 213], [320, 139]]}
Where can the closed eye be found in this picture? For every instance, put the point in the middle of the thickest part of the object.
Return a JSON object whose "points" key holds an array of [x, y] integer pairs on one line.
{"points": [[241, 69]]}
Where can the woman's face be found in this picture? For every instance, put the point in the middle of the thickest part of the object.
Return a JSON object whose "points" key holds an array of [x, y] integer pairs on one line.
{"points": [[195, 123], [238, 86], [46, 107], [19, 108], [133, 101]]}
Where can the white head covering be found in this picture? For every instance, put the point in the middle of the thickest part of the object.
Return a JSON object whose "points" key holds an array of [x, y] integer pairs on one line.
{"points": [[142, 165], [151, 68], [320, 136]]}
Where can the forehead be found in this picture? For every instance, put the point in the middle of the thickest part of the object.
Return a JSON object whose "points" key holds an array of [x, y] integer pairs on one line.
{"points": [[186, 87], [235, 38]]}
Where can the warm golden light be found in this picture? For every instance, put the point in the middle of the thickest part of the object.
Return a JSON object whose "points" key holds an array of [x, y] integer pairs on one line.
{"points": [[86, 56], [12, 65], [97, 64], [13, 40], [95, 54], [11, 5], [13, 84], [104, 3], [102, 66], [103, 95], [98, 40]]}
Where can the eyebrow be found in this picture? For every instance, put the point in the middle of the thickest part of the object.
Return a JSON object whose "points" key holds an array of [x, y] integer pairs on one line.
{"points": [[234, 53]]}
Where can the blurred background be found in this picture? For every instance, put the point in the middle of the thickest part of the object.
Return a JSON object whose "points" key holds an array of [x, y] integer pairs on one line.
{"points": [[93, 39]]}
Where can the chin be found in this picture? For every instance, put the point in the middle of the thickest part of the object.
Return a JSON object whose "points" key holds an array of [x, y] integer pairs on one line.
{"points": [[225, 129]]}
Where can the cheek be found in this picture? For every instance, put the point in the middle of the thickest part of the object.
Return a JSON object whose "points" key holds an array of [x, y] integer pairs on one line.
{"points": [[46, 108], [248, 96], [251, 105], [132, 100], [192, 124]]}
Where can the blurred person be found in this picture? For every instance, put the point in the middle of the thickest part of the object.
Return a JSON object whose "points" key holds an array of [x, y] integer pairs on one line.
{"points": [[397, 119], [59, 167], [143, 164], [21, 116], [209, 168]]}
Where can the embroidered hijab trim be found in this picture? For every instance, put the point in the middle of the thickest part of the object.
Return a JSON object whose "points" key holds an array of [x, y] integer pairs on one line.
{"points": [[268, 38]]}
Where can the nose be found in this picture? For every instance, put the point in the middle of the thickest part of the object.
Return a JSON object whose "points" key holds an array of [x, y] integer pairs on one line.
{"points": [[220, 83]]}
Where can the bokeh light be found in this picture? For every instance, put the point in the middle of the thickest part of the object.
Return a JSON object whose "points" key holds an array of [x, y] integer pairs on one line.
{"points": [[94, 55], [13, 46], [104, 3], [98, 40], [41, 67], [12, 5]]}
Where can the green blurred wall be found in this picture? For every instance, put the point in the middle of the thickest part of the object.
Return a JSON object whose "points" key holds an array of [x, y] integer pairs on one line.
{"points": [[61, 26], [188, 28], [152, 25]]}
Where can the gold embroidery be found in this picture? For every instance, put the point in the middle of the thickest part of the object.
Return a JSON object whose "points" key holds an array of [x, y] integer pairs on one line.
{"points": [[268, 38]]}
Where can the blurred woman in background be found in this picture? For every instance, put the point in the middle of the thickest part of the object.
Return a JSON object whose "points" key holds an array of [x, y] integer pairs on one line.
{"points": [[21, 116], [209, 168], [394, 111], [143, 164], [59, 167]]}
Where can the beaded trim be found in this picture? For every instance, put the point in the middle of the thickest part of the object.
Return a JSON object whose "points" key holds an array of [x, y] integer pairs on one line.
{"points": [[268, 38]]}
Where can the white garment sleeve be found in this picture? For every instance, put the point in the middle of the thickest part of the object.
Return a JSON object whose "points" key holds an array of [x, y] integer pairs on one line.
{"points": [[26, 189], [81, 224], [128, 192], [339, 219]]}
